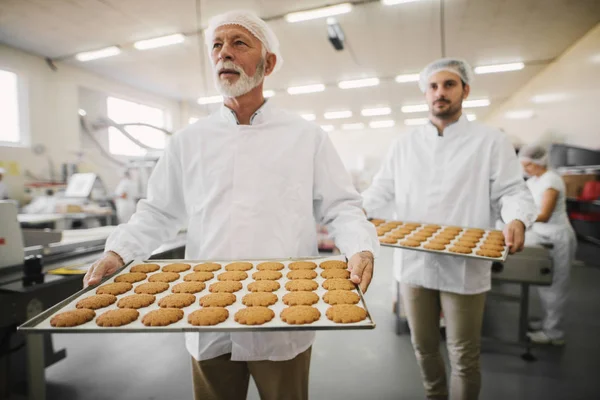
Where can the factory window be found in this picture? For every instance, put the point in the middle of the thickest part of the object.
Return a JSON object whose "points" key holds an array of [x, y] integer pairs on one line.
{"points": [[10, 123], [123, 111]]}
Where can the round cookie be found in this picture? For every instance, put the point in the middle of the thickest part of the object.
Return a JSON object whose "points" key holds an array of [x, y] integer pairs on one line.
{"points": [[489, 253], [72, 318], [432, 227], [162, 317], [118, 317], [304, 285], [264, 286], [439, 240], [434, 246], [341, 297], [394, 223], [189, 287], [492, 247], [410, 243], [164, 277], [494, 240], [232, 276], [381, 232], [136, 301], [453, 228], [460, 250], [346, 313], [239, 266], [266, 275], [131, 277], [300, 298], [335, 273], [404, 230], [177, 300], [474, 235], [388, 240], [263, 299], [114, 288], [463, 243], [334, 264], [208, 316], [300, 315], [145, 268], [225, 287], [270, 266], [254, 315], [218, 300], [417, 238], [177, 267], [207, 267], [476, 230], [303, 274], [151, 288], [412, 225], [396, 235], [302, 265], [200, 276], [423, 233], [338, 284], [470, 239], [97, 301], [447, 235], [496, 234]]}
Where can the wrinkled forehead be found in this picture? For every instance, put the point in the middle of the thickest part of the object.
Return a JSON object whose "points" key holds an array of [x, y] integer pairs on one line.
{"points": [[231, 31], [444, 76]]}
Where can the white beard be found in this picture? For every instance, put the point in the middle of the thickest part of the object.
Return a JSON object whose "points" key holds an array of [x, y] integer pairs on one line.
{"points": [[243, 85]]}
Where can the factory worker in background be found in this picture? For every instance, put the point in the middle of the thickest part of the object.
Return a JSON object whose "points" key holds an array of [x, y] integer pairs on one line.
{"points": [[125, 198]]}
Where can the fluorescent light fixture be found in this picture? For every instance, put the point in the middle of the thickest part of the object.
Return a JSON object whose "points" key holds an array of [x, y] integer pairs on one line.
{"points": [[159, 42], [268, 93], [309, 117], [327, 128], [519, 114], [415, 121], [475, 103], [193, 120], [471, 117], [210, 100], [353, 127], [489, 69], [82, 112], [319, 87], [373, 112], [96, 54], [395, 2], [408, 78], [316, 13], [358, 83], [338, 114], [388, 123], [415, 108], [548, 98]]}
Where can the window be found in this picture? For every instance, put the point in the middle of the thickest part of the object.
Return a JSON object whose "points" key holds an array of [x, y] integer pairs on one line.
{"points": [[10, 127], [123, 111]]}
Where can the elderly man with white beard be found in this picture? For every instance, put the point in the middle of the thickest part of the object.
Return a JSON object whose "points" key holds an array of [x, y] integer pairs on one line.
{"points": [[249, 181]]}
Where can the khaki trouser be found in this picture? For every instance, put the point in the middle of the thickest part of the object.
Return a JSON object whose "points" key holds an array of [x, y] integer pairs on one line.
{"points": [[222, 379], [464, 316]]}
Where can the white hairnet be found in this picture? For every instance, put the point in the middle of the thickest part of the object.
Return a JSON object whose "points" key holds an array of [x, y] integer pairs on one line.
{"points": [[534, 153], [250, 21], [454, 65]]}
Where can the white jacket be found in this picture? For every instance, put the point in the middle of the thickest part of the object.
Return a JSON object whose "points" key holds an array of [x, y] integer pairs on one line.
{"points": [[248, 191], [454, 179]]}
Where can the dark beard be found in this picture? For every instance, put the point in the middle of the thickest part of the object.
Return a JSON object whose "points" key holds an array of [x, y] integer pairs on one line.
{"points": [[449, 113]]}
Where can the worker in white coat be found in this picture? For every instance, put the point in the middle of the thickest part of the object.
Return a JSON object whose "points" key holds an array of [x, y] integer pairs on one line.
{"points": [[3, 188], [450, 171], [125, 198], [45, 204], [551, 226], [248, 181]]}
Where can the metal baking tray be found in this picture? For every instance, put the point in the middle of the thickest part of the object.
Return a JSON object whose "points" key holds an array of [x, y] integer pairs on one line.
{"points": [[41, 322], [473, 254]]}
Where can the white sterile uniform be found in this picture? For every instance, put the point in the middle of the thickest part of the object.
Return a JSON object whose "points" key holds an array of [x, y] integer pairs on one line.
{"points": [[248, 192], [454, 179], [557, 231], [125, 206]]}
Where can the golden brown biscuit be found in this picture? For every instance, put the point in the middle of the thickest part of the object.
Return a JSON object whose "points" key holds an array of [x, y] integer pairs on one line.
{"points": [[118, 317], [151, 288], [494, 240], [341, 297], [145, 268], [396, 235], [304, 285], [208, 316], [432, 227], [465, 243], [409, 243], [496, 234], [302, 265], [475, 230], [338, 284], [189, 287], [162, 317], [302, 274], [440, 240], [412, 225], [136, 301], [475, 235], [176, 267], [388, 240], [489, 253], [177, 300], [470, 239], [232, 276], [460, 250], [381, 232], [453, 228], [254, 315], [417, 238], [300, 315], [131, 277], [346, 313], [270, 266], [207, 267], [225, 287], [264, 286], [262, 299], [266, 275], [97, 301], [394, 223], [200, 276], [447, 235], [336, 273], [334, 264], [72, 318], [239, 266], [493, 247], [405, 230], [164, 277], [423, 233], [300, 298], [114, 288], [434, 246], [218, 300]]}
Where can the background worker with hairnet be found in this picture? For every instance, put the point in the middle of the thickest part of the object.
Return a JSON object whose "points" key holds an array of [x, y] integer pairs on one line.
{"points": [[453, 172], [551, 226]]}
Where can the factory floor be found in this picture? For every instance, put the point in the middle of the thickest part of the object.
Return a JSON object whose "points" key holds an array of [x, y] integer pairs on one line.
{"points": [[354, 364]]}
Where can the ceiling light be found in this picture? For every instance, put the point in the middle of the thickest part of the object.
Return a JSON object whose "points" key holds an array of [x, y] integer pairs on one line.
{"points": [[394, 2], [338, 114], [96, 54], [319, 87], [268, 93], [388, 123], [210, 100], [471, 117], [408, 78], [352, 127], [159, 42], [415, 108], [327, 128], [548, 98], [489, 69], [373, 112], [475, 103], [316, 13], [193, 120], [309, 117], [82, 112], [358, 83], [519, 114], [415, 121]]}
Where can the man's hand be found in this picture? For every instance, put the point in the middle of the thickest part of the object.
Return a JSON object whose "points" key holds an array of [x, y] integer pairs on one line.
{"points": [[108, 264], [361, 269], [514, 235]]}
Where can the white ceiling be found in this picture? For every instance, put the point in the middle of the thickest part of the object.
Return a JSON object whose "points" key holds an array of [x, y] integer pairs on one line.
{"points": [[385, 41]]}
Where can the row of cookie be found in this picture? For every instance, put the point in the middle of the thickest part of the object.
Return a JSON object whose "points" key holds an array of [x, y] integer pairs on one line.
{"points": [[469, 238], [485, 250], [238, 266]]}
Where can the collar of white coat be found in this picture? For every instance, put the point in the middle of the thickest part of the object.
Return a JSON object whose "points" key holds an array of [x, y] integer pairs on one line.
{"points": [[450, 130], [257, 118]]}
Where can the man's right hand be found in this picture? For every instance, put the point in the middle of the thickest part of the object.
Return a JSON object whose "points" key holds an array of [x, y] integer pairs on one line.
{"points": [[108, 264]]}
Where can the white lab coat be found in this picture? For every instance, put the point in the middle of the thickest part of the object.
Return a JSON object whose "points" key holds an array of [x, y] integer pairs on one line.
{"points": [[3, 191], [41, 205], [558, 232], [454, 179], [248, 192], [126, 206]]}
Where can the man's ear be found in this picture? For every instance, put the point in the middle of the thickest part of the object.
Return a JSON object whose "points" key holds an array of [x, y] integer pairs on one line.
{"points": [[271, 61], [466, 91]]}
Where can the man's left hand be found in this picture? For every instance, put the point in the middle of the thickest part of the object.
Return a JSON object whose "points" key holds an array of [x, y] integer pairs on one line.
{"points": [[361, 269], [514, 235]]}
